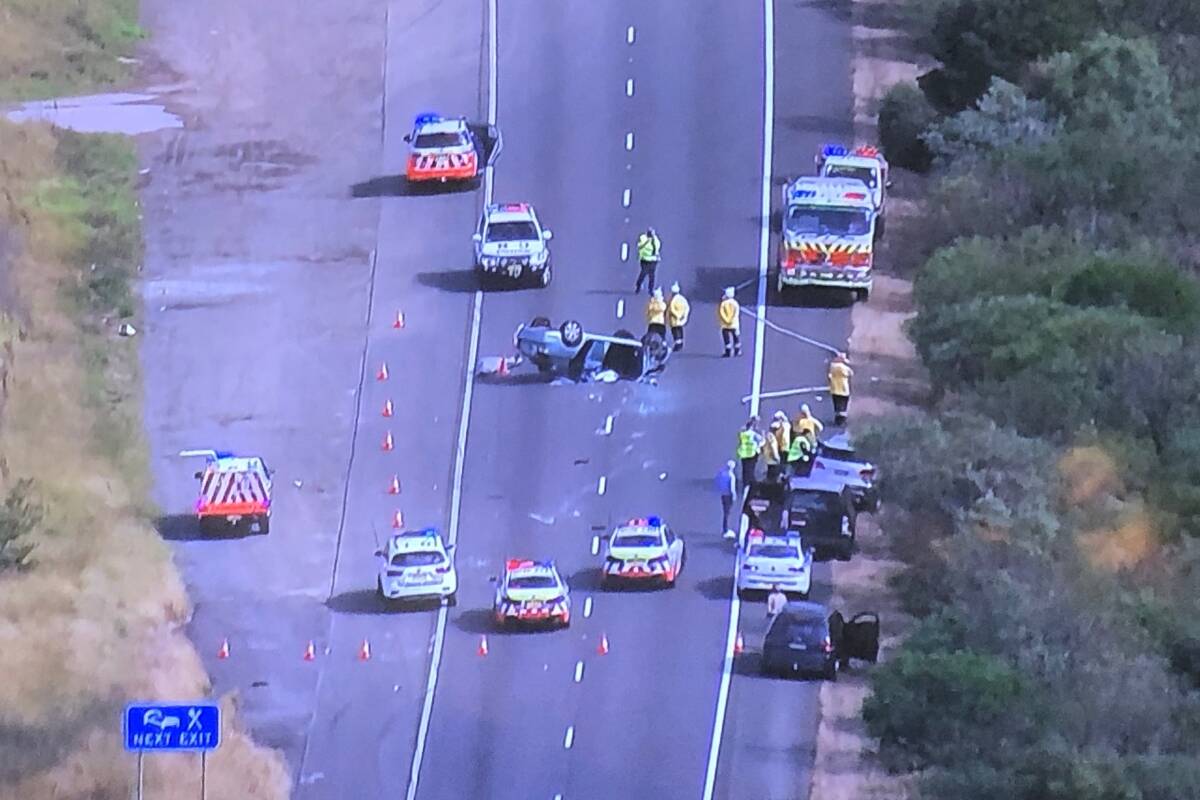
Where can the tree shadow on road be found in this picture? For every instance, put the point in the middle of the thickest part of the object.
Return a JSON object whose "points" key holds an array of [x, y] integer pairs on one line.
{"points": [[460, 281]]}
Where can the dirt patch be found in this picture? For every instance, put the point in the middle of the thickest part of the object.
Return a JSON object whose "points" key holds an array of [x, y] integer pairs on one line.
{"points": [[889, 380]]}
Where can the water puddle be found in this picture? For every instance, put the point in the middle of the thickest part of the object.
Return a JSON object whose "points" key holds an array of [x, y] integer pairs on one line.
{"points": [[126, 113]]}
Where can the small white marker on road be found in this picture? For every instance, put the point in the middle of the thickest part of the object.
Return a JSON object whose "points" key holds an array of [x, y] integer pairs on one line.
{"points": [[629, 34], [608, 423], [578, 671], [558, 796], [570, 737], [595, 545], [624, 251], [629, 141], [587, 607], [629, 87], [620, 309], [626, 196], [602, 485]]}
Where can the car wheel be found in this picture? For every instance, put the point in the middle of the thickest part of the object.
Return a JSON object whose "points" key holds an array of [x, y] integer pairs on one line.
{"points": [[452, 599], [211, 526], [540, 322], [743, 595], [831, 672], [264, 524], [546, 276], [862, 295], [572, 333]]}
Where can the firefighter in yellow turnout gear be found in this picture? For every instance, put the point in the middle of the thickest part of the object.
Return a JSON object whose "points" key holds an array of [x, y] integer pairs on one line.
{"points": [[678, 311]]}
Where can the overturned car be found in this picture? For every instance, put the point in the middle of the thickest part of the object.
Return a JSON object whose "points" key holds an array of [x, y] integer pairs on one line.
{"points": [[580, 355]]}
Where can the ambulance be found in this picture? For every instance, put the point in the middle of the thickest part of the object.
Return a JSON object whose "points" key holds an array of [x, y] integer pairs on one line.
{"points": [[828, 235], [235, 491]]}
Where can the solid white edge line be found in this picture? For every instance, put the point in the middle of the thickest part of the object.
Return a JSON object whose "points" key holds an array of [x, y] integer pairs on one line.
{"points": [[578, 671], [624, 251], [602, 485], [629, 141], [569, 739], [629, 87], [460, 452], [764, 245], [587, 607], [595, 545]]}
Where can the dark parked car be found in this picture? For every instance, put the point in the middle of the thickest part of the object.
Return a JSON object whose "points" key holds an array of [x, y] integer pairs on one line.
{"points": [[825, 514], [805, 639]]}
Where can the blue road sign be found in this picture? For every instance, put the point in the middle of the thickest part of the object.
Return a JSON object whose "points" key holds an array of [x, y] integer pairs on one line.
{"points": [[172, 726]]}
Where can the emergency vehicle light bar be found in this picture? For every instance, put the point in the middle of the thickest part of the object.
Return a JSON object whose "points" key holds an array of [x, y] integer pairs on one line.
{"points": [[834, 150], [211, 455], [867, 151], [524, 563], [426, 118], [513, 207], [645, 522]]}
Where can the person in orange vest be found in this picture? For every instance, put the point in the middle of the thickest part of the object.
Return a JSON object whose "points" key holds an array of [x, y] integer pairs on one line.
{"points": [[729, 316], [656, 314], [839, 387]]}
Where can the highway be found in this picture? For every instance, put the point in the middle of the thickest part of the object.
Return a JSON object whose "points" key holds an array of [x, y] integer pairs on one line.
{"points": [[615, 116]]}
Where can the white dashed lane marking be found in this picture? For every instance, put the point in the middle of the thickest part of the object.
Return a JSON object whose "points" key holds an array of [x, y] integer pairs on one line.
{"points": [[630, 34], [595, 545], [629, 141], [624, 251], [626, 197], [569, 739], [608, 424], [620, 309], [587, 608], [602, 485], [629, 87], [578, 671]]}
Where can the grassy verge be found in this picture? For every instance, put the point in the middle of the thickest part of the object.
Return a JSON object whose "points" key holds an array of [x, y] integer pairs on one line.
{"points": [[55, 47], [89, 616]]}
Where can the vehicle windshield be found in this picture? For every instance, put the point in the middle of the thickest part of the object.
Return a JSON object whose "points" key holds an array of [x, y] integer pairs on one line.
{"points": [[532, 582], [436, 141], [637, 540], [773, 551], [417, 558], [814, 504], [806, 630], [810, 221], [517, 231], [864, 174]]}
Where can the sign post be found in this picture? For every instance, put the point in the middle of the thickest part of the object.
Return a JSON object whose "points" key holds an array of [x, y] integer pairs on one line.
{"points": [[172, 728]]}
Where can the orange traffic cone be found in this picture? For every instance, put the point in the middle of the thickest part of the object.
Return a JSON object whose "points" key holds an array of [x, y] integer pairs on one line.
{"points": [[224, 651], [310, 652], [602, 648], [395, 487], [382, 375], [388, 442], [387, 408], [364, 652], [739, 644], [398, 520], [502, 370], [483, 648], [399, 323]]}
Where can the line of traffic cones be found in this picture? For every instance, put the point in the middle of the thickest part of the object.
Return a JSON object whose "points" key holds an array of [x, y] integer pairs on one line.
{"points": [[382, 375], [739, 645], [602, 648], [394, 486], [483, 646], [398, 323], [389, 443], [398, 520], [388, 409]]}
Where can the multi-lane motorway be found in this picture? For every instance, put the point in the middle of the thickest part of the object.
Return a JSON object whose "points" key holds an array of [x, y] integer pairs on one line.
{"points": [[615, 116]]}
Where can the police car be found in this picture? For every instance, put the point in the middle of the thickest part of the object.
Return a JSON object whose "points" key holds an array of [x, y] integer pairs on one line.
{"points": [[532, 592], [765, 561], [511, 245], [441, 150], [643, 550], [417, 565]]}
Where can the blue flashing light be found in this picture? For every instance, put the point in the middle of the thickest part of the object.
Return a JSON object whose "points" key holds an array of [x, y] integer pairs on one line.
{"points": [[427, 118], [654, 522], [834, 150], [221, 454]]}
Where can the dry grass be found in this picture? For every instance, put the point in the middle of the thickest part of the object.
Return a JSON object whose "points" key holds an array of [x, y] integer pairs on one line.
{"points": [[94, 622], [52, 47]]}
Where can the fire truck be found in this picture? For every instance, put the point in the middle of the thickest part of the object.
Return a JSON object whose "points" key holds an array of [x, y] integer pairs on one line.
{"points": [[828, 235], [234, 491], [864, 163]]}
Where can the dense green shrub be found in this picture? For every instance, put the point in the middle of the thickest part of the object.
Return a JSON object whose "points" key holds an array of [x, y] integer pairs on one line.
{"points": [[904, 117]]}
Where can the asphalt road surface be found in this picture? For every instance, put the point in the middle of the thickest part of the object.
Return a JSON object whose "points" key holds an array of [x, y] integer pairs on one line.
{"points": [[616, 116]]}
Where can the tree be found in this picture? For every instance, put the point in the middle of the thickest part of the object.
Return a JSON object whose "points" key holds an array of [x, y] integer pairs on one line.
{"points": [[1004, 117], [20, 515], [904, 117]]}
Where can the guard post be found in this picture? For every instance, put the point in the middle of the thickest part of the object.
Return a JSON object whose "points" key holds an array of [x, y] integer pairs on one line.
{"points": [[172, 728]]}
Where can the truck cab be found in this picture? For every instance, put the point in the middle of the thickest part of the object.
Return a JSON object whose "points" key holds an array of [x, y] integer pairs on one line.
{"points": [[828, 235]]}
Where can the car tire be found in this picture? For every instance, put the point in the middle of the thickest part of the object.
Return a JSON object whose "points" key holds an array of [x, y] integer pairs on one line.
{"points": [[546, 276], [264, 524], [572, 333], [540, 322], [452, 599], [862, 295], [210, 526], [880, 227], [743, 594], [831, 672]]}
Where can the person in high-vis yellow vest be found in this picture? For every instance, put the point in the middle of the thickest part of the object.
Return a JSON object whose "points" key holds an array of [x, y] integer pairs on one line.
{"points": [[805, 424], [771, 453], [783, 433], [729, 317], [750, 442], [648, 248], [678, 311], [656, 314], [839, 387], [799, 458]]}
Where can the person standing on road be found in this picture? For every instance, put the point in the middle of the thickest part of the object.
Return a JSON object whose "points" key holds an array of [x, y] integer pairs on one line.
{"points": [[799, 457], [776, 602], [805, 424], [656, 314], [648, 248], [678, 310], [750, 443], [729, 315], [772, 455], [839, 387], [727, 488]]}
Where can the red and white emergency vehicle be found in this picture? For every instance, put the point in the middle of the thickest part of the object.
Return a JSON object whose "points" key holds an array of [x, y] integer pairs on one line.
{"points": [[441, 150], [864, 163], [234, 490], [828, 235]]}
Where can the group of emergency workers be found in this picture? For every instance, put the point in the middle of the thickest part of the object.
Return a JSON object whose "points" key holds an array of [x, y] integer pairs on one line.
{"points": [[673, 312]]}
